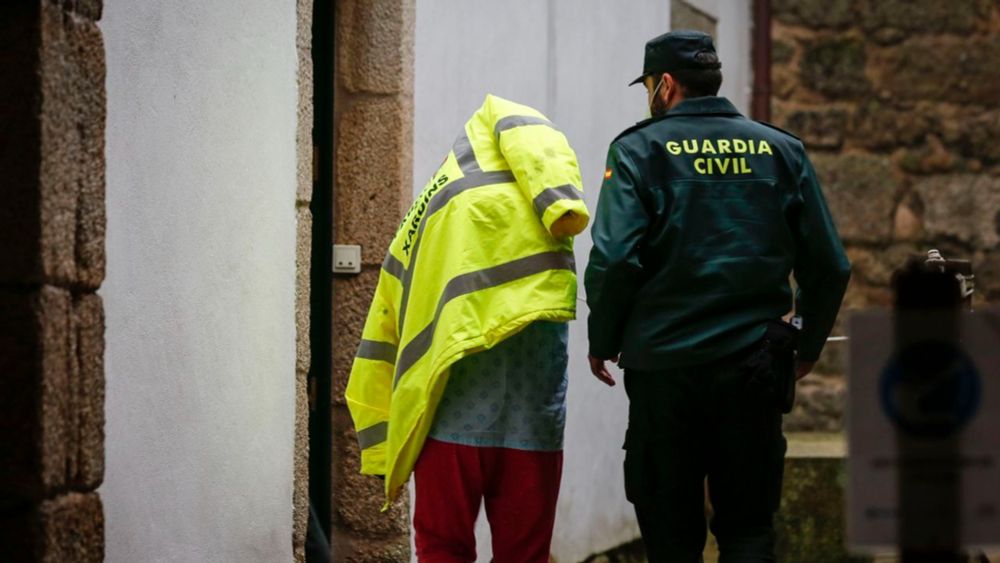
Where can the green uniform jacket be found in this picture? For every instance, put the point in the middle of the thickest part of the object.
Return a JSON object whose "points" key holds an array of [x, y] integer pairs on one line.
{"points": [[702, 217]]}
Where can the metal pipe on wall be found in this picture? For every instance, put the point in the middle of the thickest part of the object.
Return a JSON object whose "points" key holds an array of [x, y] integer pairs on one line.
{"points": [[761, 103]]}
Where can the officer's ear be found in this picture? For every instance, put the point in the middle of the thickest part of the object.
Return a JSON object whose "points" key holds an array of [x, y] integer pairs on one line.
{"points": [[670, 88]]}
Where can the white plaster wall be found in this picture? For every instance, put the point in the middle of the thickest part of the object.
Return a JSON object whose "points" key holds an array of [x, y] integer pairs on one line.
{"points": [[599, 49], [200, 283], [734, 42], [571, 59], [465, 50]]}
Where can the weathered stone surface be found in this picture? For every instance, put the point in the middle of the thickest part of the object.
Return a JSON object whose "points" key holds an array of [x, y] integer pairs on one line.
{"points": [[876, 267], [52, 408], [814, 13], [833, 358], [930, 158], [784, 82], [867, 267], [907, 224], [810, 525], [36, 362], [835, 67], [72, 120], [52, 221], [819, 404], [300, 491], [861, 192], [303, 264], [781, 51], [818, 128], [66, 528], [859, 296], [974, 136], [53, 419], [986, 267], [303, 142], [963, 206], [962, 69], [300, 469], [87, 418], [879, 126], [360, 497], [87, 8], [376, 38], [73, 527], [55, 169], [364, 550], [924, 16], [373, 181], [888, 36], [373, 189]]}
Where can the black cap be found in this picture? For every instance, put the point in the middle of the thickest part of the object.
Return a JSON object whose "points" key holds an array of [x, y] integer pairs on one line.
{"points": [[676, 50]]}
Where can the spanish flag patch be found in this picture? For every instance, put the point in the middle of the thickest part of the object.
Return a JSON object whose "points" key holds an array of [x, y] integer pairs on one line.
{"points": [[607, 174]]}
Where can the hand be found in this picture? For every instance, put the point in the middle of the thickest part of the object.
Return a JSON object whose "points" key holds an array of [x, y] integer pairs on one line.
{"points": [[802, 369], [600, 370]]}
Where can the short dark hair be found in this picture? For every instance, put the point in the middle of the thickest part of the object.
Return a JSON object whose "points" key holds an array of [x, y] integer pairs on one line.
{"points": [[696, 83]]}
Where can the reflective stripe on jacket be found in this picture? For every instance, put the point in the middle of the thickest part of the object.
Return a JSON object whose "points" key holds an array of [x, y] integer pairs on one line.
{"points": [[485, 250]]}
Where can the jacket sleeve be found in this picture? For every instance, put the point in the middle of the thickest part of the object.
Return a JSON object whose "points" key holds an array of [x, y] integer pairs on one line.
{"points": [[614, 272], [546, 169], [821, 268], [369, 388]]}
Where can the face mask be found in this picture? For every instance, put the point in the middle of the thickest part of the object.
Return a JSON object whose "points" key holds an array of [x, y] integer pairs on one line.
{"points": [[652, 98]]}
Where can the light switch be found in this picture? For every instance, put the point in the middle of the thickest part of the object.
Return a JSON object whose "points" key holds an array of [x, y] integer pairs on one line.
{"points": [[346, 259]]}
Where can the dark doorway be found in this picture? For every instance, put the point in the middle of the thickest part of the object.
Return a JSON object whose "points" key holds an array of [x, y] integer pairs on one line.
{"points": [[321, 276]]}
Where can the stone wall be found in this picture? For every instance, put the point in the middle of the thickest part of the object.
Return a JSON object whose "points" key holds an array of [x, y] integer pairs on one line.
{"points": [[897, 102], [303, 263], [52, 261], [373, 118]]}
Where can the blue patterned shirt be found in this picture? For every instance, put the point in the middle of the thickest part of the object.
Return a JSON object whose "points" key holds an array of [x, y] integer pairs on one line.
{"points": [[511, 396]]}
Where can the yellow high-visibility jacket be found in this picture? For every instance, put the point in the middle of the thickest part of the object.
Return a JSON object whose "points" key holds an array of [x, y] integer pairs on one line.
{"points": [[485, 250]]}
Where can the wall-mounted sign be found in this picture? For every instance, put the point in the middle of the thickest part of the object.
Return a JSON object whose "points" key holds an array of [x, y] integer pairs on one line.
{"points": [[924, 413]]}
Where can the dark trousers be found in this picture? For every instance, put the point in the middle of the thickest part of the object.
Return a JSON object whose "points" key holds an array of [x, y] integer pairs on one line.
{"points": [[687, 424]]}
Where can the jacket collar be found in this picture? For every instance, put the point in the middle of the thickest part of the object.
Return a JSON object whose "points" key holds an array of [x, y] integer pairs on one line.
{"points": [[706, 105]]}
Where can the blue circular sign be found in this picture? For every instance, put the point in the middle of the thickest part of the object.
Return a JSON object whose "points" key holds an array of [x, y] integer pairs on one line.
{"points": [[930, 389]]}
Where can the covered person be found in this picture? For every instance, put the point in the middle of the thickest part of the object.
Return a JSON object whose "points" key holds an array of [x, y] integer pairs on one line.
{"points": [[702, 217], [461, 372]]}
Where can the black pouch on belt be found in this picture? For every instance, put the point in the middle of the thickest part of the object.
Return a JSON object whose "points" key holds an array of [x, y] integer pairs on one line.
{"points": [[770, 368]]}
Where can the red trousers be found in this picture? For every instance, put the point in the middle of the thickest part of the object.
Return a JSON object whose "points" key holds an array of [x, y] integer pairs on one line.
{"points": [[520, 488]]}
